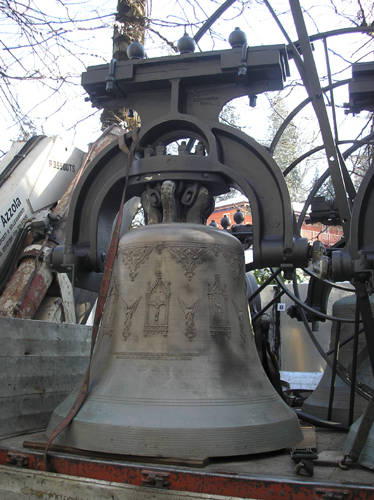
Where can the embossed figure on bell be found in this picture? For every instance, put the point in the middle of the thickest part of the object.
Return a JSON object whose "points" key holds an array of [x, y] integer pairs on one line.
{"points": [[128, 314], [218, 300], [189, 319], [175, 372], [157, 307]]}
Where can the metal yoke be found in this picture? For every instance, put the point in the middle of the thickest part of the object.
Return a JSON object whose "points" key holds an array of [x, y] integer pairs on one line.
{"points": [[180, 97]]}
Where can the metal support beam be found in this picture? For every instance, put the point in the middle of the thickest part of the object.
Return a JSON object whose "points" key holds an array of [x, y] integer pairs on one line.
{"points": [[311, 81], [179, 479]]}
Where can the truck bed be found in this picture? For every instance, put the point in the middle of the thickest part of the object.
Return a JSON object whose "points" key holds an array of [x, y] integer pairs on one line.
{"points": [[265, 476]]}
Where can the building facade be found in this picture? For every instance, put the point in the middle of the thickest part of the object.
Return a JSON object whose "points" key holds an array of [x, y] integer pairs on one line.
{"points": [[328, 235]]}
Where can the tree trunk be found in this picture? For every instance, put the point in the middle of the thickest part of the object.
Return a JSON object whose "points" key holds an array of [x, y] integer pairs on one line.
{"points": [[129, 26]]}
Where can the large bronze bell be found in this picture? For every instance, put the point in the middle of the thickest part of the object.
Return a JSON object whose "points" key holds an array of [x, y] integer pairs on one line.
{"points": [[175, 371], [318, 402]]}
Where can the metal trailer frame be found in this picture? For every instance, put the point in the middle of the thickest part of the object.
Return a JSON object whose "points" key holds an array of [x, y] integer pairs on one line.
{"points": [[186, 479]]}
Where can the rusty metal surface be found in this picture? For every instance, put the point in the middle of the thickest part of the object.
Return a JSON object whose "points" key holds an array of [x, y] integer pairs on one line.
{"points": [[27, 287], [16, 484], [14, 288], [40, 363], [242, 485]]}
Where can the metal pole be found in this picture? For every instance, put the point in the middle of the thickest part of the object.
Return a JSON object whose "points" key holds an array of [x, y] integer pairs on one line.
{"points": [[333, 372], [275, 299], [332, 99], [298, 108], [212, 19], [354, 363], [264, 284], [311, 81]]}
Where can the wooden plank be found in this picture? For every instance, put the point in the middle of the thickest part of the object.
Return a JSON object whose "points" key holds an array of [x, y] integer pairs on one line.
{"points": [[40, 445]]}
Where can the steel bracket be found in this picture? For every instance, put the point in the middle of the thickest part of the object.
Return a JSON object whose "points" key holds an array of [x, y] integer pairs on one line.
{"points": [[18, 459], [155, 479]]}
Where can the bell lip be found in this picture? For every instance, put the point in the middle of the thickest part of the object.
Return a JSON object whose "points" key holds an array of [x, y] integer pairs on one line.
{"points": [[149, 443], [184, 442]]}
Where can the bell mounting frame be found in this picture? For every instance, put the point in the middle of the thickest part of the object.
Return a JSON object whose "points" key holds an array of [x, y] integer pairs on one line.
{"points": [[178, 97]]}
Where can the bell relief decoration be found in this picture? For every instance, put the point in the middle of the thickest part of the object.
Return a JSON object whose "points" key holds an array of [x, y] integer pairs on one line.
{"points": [[189, 312], [190, 257], [218, 313], [128, 313], [157, 300], [112, 302], [134, 257]]}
